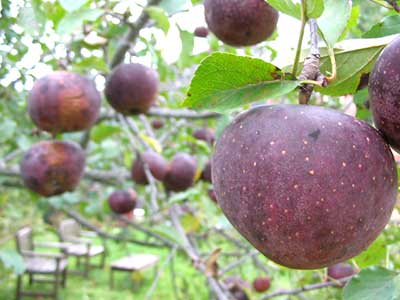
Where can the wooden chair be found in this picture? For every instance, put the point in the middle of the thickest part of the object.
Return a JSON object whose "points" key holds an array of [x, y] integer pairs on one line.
{"points": [[81, 244], [40, 264], [133, 263]]}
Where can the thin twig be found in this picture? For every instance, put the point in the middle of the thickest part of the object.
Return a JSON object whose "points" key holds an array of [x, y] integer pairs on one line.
{"points": [[393, 3], [238, 262], [301, 36], [81, 220], [147, 231], [381, 4], [11, 156], [175, 128], [218, 288], [147, 127], [128, 41], [173, 279], [153, 187], [95, 175], [307, 288], [166, 113], [130, 127], [159, 273]]}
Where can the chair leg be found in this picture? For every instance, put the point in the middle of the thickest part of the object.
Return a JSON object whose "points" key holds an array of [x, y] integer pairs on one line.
{"points": [[111, 279], [103, 260], [19, 285], [30, 278], [64, 278], [78, 261], [87, 266], [56, 283]]}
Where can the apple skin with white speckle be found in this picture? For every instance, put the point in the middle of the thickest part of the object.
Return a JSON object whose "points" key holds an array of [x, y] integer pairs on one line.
{"points": [[307, 186], [384, 90]]}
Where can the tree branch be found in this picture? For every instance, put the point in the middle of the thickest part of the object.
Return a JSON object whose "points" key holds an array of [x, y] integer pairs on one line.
{"points": [[181, 113], [81, 220], [219, 290], [307, 288], [238, 262], [148, 232], [95, 175], [394, 4], [132, 35]]}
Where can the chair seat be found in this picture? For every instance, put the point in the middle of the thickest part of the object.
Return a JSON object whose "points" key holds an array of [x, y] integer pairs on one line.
{"points": [[135, 262], [44, 265], [81, 250]]}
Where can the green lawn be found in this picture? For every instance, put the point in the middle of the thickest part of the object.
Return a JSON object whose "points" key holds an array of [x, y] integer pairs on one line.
{"points": [[127, 286], [190, 282]]}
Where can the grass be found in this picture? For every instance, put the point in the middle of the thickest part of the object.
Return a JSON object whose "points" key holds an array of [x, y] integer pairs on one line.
{"points": [[127, 286], [191, 283]]}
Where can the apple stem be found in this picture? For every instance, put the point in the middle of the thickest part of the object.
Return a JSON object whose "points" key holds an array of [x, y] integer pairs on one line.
{"points": [[311, 74]]}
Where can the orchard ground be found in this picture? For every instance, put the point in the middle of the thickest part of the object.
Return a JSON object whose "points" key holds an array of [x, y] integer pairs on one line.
{"points": [[196, 83]]}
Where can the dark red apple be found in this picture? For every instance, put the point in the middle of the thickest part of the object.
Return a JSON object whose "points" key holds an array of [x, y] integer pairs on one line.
{"points": [[157, 164], [204, 134], [241, 22], [181, 173], [212, 195], [157, 124], [122, 202], [52, 167], [206, 173], [201, 32], [307, 186], [64, 102], [132, 88], [384, 91], [341, 270], [236, 287], [261, 284]]}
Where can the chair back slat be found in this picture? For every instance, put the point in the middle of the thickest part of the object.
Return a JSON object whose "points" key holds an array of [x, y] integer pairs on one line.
{"points": [[24, 239], [69, 229]]}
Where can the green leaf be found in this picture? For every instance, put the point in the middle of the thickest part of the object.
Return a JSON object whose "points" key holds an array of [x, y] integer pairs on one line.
{"points": [[160, 16], [182, 196], [359, 99], [315, 8], [373, 255], [287, 7], [334, 20], [12, 260], [39, 12], [75, 19], [71, 5], [103, 131], [225, 81], [172, 6], [388, 26], [355, 58], [191, 223], [9, 128], [90, 63], [222, 122], [372, 284], [27, 20], [187, 40]]}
